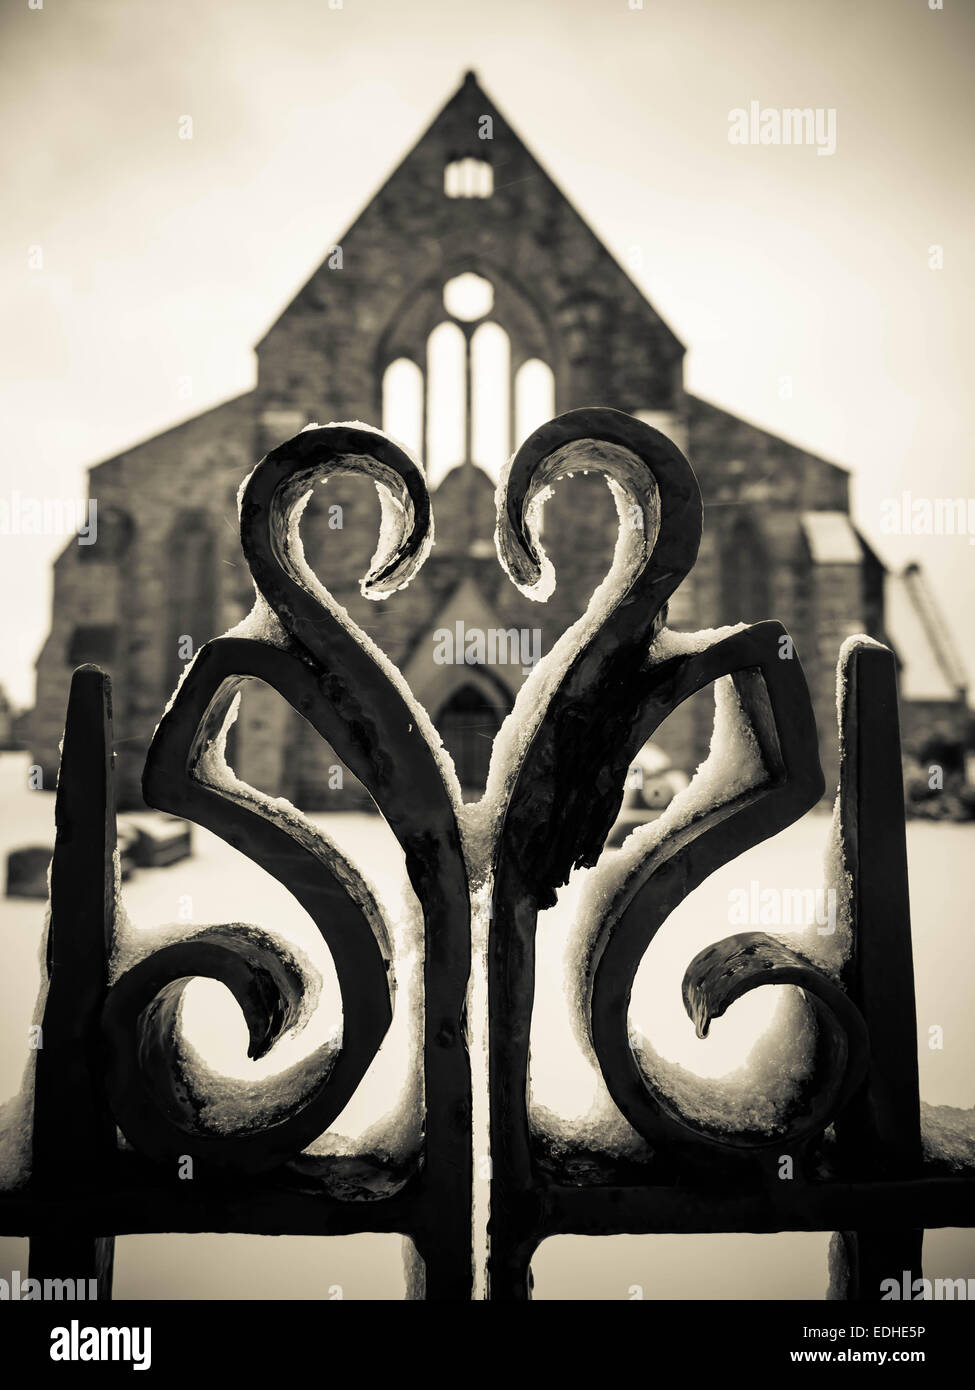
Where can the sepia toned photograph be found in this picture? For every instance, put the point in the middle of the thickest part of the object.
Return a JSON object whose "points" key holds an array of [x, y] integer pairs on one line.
{"points": [[487, 770]]}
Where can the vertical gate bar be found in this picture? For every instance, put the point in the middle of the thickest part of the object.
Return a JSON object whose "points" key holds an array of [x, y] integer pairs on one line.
{"points": [[515, 1194], [444, 1243], [57, 1255], [880, 1134], [73, 1138], [869, 1257]]}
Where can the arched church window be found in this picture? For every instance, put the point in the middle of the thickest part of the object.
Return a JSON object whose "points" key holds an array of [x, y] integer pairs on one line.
{"points": [[465, 403], [468, 178], [447, 438], [744, 574], [191, 591], [534, 397], [403, 403], [490, 406], [113, 530]]}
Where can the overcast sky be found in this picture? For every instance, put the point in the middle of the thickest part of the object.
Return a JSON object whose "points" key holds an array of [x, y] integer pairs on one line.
{"points": [[166, 258]]}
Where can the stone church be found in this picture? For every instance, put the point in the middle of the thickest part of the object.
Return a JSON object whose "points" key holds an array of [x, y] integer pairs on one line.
{"points": [[468, 303]]}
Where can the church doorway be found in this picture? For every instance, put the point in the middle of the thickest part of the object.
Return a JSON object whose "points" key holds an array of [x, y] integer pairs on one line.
{"points": [[467, 723]]}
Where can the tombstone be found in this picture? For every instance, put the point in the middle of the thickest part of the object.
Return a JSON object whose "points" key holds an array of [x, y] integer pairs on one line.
{"points": [[157, 841], [27, 871]]}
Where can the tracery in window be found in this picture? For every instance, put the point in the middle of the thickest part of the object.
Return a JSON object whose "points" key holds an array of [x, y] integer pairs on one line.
{"points": [[464, 406]]}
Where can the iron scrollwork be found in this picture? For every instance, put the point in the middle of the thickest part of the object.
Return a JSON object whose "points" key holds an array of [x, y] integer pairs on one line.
{"points": [[554, 793], [613, 695], [330, 674]]}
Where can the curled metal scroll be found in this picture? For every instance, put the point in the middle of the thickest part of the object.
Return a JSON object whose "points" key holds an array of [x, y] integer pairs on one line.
{"points": [[563, 799], [772, 696], [570, 784], [330, 673]]}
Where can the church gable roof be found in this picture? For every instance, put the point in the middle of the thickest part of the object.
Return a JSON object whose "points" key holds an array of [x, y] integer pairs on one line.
{"points": [[730, 452], [412, 227], [237, 410]]}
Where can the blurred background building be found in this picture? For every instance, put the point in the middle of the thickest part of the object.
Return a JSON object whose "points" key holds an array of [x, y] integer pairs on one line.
{"points": [[468, 303]]}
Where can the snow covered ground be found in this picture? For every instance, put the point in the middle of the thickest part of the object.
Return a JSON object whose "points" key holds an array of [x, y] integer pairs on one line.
{"points": [[218, 884]]}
